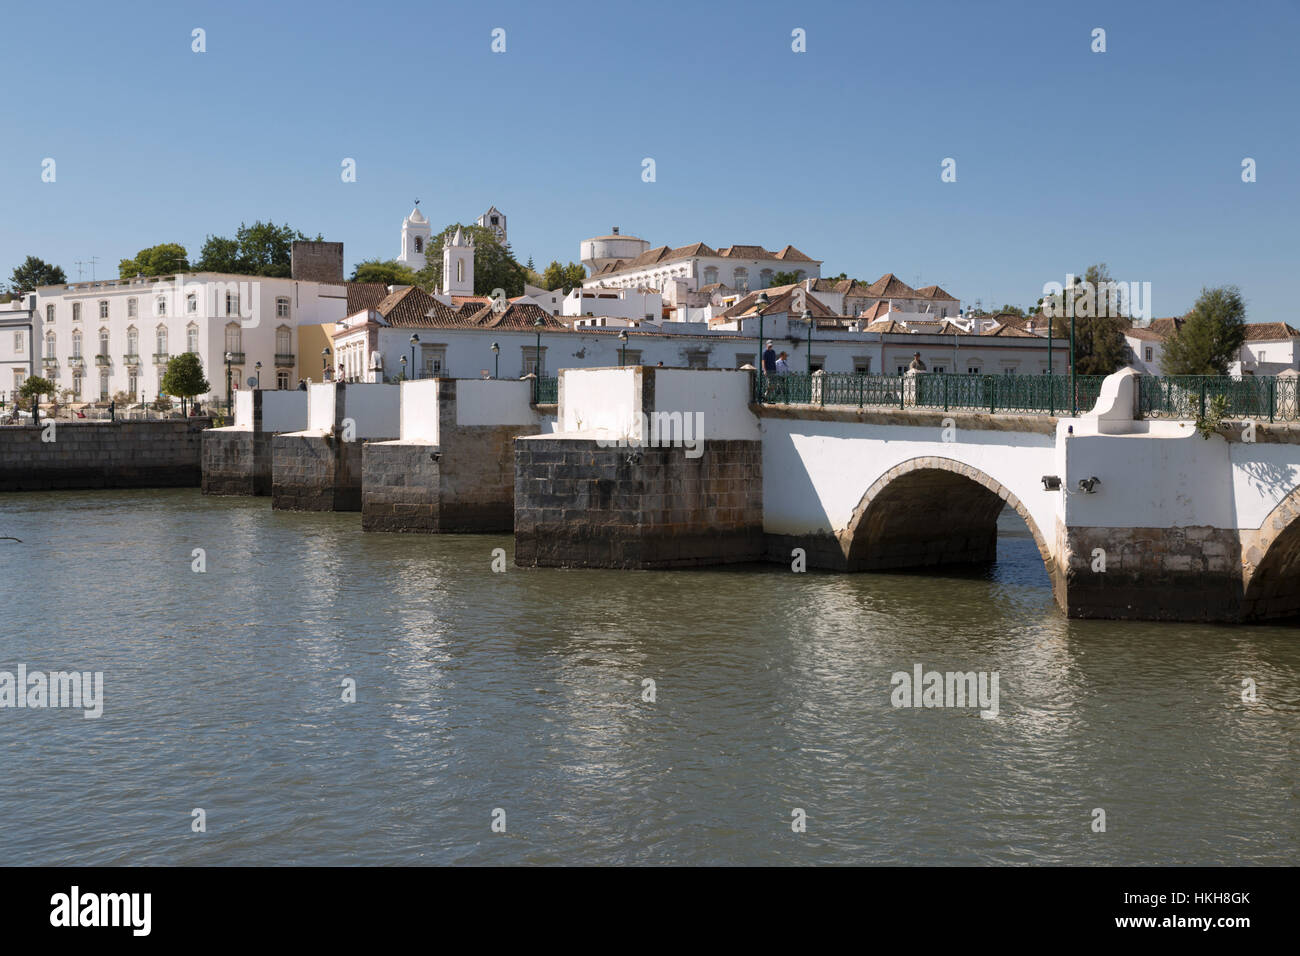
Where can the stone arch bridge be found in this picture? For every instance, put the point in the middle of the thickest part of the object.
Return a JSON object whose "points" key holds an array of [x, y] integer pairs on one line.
{"points": [[1132, 519]]}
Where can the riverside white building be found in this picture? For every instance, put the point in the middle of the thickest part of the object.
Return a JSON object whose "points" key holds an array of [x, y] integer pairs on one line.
{"points": [[100, 338]]}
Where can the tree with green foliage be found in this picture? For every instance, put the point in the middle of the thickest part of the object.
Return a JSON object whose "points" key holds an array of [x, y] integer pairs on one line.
{"points": [[494, 264], [262, 249], [387, 271], [184, 377], [1013, 310], [160, 260], [1210, 336], [34, 273], [786, 278], [557, 276], [1100, 321], [31, 390]]}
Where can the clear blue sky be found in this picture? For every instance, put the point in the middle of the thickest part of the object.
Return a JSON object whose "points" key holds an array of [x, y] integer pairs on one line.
{"points": [[1064, 156]]}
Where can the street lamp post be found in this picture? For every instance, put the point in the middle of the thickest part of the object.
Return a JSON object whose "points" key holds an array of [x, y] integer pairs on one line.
{"points": [[229, 397], [415, 369], [496, 360], [324, 363], [808, 317], [403, 368], [622, 348], [760, 304], [258, 368], [537, 360]]}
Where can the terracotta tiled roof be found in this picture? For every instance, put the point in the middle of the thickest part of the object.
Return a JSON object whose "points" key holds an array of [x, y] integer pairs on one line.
{"points": [[934, 292], [891, 286], [791, 254], [1010, 331], [1144, 335], [518, 315], [781, 301], [365, 295], [886, 325], [878, 310], [1165, 327], [1269, 331]]}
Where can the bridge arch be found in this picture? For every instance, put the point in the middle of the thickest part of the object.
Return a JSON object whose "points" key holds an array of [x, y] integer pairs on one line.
{"points": [[1270, 563], [932, 511]]}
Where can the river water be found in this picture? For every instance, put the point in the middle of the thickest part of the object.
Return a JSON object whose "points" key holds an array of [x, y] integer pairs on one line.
{"points": [[523, 692]]}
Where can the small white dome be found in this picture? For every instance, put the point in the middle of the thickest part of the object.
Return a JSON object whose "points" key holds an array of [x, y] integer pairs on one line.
{"points": [[416, 216]]}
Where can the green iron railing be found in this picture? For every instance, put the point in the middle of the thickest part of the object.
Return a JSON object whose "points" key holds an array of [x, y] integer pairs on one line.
{"points": [[992, 393], [546, 391], [1271, 398]]}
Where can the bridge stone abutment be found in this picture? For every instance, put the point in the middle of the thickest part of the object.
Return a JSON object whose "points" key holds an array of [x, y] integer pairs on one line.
{"points": [[651, 468], [453, 469], [320, 468], [237, 460]]}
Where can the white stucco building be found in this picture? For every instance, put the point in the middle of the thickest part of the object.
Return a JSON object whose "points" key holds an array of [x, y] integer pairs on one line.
{"points": [[686, 269], [100, 338]]}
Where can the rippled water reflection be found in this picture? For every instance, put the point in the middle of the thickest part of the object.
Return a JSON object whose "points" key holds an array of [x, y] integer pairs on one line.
{"points": [[522, 691]]}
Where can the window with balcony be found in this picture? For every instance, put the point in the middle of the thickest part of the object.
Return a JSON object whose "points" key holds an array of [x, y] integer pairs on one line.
{"points": [[76, 344], [103, 341], [160, 343]]}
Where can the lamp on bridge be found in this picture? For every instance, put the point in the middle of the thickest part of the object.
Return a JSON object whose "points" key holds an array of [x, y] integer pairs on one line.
{"points": [[415, 340], [496, 360], [258, 368], [759, 305], [403, 368], [808, 317], [228, 397], [622, 347], [324, 364]]}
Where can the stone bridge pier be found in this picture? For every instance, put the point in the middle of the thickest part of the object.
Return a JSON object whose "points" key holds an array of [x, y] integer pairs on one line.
{"points": [[237, 459], [453, 468], [320, 467]]}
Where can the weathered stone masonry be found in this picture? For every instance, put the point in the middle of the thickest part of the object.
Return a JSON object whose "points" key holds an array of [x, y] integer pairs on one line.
{"points": [[149, 454], [578, 504], [316, 473]]}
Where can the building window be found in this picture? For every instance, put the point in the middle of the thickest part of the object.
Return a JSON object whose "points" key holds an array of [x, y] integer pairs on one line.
{"points": [[132, 341], [419, 244], [103, 342], [460, 270], [631, 356], [103, 386], [533, 361], [1148, 353], [18, 343], [745, 358], [76, 344], [972, 370], [282, 306], [740, 280], [49, 313], [766, 278], [133, 383], [284, 340], [76, 385], [902, 369], [76, 312], [192, 339], [162, 305], [861, 365], [696, 358], [132, 305], [192, 304], [49, 345], [433, 360], [160, 341], [233, 338], [19, 377], [232, 303], [282, 378]]}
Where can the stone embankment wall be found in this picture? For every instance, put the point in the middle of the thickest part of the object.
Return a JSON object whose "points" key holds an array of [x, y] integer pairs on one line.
{"points": [[82, 454]]}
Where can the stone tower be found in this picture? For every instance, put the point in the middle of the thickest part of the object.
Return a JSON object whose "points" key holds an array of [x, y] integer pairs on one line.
{"points": [[415, 239], [495, 220], [458, 264]]}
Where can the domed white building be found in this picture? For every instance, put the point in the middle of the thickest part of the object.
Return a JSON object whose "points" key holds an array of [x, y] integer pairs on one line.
{"points": [[605, 250], [416, 233]]}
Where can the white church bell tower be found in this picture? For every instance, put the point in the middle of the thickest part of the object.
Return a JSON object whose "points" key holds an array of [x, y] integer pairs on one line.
{"points": [[415, 239], [458, 264]]}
